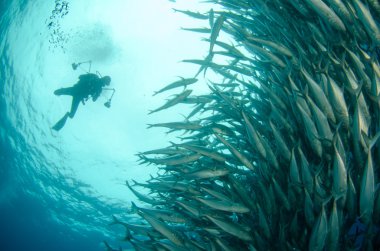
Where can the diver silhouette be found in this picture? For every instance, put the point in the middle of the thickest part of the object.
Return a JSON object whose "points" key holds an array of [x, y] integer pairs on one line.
{"points": [[88, 85]]}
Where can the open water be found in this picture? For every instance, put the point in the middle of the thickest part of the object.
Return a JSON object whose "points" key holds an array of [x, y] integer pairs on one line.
{"points": [[58, 190]]}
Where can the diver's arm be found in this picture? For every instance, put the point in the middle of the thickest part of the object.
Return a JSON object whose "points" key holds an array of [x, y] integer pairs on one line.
{"points": [[95, 96], [84, 99], [97, 90]]}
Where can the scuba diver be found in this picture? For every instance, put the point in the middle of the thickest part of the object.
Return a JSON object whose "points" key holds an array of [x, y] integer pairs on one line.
{"points": [[89, 84]]}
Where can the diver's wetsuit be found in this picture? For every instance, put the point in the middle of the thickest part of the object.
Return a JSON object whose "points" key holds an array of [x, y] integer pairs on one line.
{"points": [[88, 85]]}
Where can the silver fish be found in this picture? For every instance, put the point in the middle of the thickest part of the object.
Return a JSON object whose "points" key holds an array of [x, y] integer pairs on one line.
{"points": [[327, 14]]}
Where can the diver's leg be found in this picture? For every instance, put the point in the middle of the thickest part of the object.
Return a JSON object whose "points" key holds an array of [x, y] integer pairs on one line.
{"points": [[64, 91], [74, 106]]}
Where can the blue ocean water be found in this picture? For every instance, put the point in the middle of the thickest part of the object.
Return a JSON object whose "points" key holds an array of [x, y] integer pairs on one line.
{"points": [[59, 190], [43, 203]]}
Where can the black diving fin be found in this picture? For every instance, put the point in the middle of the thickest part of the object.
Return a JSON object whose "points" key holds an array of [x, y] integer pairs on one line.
{"points": [[60, 124]]}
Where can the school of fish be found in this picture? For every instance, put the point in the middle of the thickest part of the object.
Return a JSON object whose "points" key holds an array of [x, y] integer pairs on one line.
{"points": [[284, 153]]}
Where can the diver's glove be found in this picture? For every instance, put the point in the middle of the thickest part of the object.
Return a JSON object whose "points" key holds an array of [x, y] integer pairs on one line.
{"points": [[83, 100], [95, 96]]}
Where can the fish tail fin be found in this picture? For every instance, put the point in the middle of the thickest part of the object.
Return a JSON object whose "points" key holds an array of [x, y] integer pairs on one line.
{"points": [[114, 221], [326, 201], [128, 236], [109, 248], [134, 208], [336, 196], [135, 182], [371, 142], [337, 130]]}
